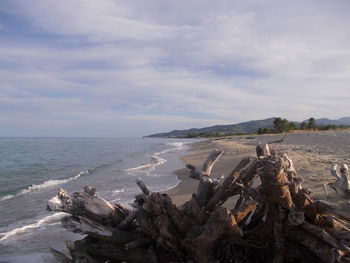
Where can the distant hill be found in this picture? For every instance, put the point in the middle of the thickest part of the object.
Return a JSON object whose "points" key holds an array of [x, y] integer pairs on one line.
{"points": [[244, 127], [341, 121], [240, 128]]}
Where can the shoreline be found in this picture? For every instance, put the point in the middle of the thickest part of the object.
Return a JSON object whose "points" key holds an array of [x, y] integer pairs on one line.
{"points": [[196, 155], [312, 153]]}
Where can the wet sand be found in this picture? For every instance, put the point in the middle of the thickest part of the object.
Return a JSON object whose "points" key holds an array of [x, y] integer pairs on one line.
{"points": [[313, 154]]}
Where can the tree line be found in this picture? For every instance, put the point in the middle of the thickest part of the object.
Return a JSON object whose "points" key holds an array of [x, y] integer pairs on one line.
{"points": [[283, 125]]}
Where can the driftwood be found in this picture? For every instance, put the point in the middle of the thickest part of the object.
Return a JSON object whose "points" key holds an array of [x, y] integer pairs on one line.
{"points": [[207, 165], [278, 221], [342, 182]]}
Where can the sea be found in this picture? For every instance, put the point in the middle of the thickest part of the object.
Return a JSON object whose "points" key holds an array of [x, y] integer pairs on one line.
{"points": [[33, 169]]}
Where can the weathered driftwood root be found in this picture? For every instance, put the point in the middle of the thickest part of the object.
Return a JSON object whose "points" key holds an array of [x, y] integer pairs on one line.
{"points": [[278, 221], [342, 182], [207, 165]]}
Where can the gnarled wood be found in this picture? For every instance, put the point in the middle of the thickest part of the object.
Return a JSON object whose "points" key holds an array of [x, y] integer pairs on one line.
{"points": [[278, 141], [211, 160], [342, 182], [207, 165], [86, 204], [220, 194], [276, 221], [275, 181], [194, 172], [262, 150], [143, 186]]}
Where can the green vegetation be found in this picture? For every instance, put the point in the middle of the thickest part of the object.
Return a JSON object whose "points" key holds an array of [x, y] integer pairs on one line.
{"points": [[283, 125], [280, 125], [266, 126]]}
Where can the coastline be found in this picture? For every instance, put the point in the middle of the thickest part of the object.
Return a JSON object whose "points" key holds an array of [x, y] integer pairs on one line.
{"points": [[312, 153], [196, 155]]}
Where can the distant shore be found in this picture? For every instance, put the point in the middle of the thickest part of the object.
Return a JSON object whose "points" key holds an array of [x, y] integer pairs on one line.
{"points": [[313, 154]]}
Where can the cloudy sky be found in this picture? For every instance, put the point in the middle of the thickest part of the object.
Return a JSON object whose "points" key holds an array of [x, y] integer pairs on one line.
{"points": [[130, 68]]}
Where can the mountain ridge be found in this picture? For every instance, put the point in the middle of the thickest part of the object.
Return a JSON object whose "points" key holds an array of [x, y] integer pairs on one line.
{"points": [[241, 128]]}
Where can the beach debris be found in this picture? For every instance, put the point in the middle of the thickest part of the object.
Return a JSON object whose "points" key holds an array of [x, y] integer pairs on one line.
{"points": [[342, 182], [277, 221], [207, 165], [278, 141]]}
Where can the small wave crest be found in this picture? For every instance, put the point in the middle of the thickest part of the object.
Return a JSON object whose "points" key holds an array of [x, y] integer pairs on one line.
{"points": [[176, 144], [45, 185], [23, 229], [156, 160]]}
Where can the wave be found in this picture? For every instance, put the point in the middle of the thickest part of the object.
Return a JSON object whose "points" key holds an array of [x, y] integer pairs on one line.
{"points": [[43, 221], [6, 197], [156, 160], [140, 167], [45, 185], [176, 144]]}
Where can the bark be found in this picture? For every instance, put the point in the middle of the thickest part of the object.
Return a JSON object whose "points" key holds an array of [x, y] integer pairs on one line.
{"points": [[194, 172], [211, 160], [262, 150], [275, 182], [342, 182], [321, 234], [207, 165], [323, 251], [278, 221], [143, 186], [278, 141], [221, 193], [244, 209], [86, 204]]}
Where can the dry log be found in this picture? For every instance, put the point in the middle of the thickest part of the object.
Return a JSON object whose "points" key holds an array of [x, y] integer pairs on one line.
{"points": [[207, 165], [324, 207], [194, 172], [262, 150], [220, 194], [105, 251], [342, 182], [138, 243], [211, 160], [125, 224], [220, 224], [332, 221], [205, 190], [86, 204], [323, 251], [193, 209], [244, 209], [143, 186], [275, 181], [279, 247], [278, 141], [277, 221], [96, 230], [322, 235]]}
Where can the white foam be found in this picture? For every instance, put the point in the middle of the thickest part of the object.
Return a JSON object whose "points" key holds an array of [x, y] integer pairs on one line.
{"points": [[6, 197], [156, 159], [44, 185], [40, 223], [176, 144], [140, 167]]}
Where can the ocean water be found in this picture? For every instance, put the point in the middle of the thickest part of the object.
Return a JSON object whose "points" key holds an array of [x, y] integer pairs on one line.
{"points": [[32, 169]]}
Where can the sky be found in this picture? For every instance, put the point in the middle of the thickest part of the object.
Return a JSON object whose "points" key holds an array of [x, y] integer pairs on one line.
{"points": [[115, 68]]}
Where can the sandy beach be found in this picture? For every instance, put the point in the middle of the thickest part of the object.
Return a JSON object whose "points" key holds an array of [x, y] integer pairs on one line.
{"points": [[313, 154]]}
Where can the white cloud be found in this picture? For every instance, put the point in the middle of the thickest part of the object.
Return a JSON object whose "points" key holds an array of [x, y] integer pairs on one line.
{"points": [[187, 63]]}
